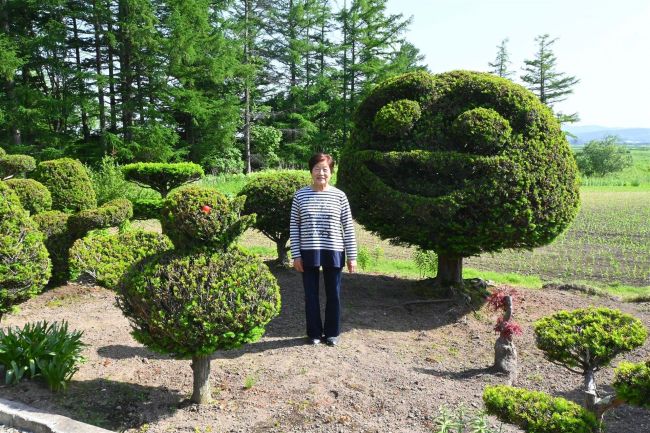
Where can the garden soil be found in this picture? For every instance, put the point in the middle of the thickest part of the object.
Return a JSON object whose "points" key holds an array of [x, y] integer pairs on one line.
{"points": [[398, 362]]}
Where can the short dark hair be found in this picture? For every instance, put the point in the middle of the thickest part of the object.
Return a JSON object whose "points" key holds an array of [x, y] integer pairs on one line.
{"points": [[320, 157]]}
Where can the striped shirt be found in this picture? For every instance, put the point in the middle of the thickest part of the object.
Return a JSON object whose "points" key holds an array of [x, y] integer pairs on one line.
{"points": [[321, 220]]}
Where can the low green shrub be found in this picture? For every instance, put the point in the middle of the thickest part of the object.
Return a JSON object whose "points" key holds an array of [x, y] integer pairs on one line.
{"points": [[106, 257], [588, 338], [24, 264], [162, 177], [33, 195], [269, 196], [397, 117], [147, 208], [58, 240], [110, 214], [69, 183], [461, 420], [202, 217], [42, 350], [14, 165], [537, 412], [632, 383]]}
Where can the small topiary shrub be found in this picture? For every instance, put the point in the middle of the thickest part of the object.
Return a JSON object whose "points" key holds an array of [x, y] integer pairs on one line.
{"points": [[199, 216], [58, 240], [111, 214], [397, 118], [585, 340], [106, 257], [24, 264], [69, 183], [33, 195], [191, 304], [14, 165], [41, 350], [163, 177], [147, 208], [269, 196], [632, 383], [537, 412]]}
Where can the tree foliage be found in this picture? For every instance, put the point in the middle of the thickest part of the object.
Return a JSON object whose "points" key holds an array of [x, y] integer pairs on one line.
{"points": [[601, 157]]}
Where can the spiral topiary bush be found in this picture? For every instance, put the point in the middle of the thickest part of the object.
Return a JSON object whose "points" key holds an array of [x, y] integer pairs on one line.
{"points": [[69, 183], [269, 196], [199, 216], [106, 257], [537, 412], [24, 263], [33, 195], [461, 163]]}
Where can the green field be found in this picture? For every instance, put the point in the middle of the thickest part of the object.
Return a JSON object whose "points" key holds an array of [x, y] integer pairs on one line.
{"points": [[635, 177]]}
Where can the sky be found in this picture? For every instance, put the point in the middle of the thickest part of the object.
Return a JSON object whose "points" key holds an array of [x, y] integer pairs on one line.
{"points": [[603, 43]]}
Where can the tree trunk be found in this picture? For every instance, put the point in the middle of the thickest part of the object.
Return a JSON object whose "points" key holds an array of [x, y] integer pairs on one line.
{"points": [[450, 270], [505, 352], [98, 70], [81, 82], [283, 257], [201, 393], [247, 91]]}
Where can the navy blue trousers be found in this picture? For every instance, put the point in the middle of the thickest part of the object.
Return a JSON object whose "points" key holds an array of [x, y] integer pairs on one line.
{"points": [[310, 281]]}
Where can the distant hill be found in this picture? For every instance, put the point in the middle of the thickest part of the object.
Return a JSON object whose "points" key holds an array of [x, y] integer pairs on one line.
{"points": [[587, 133]]}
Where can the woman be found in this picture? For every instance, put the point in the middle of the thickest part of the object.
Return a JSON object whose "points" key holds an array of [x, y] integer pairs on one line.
{"points": [[322, 235]]}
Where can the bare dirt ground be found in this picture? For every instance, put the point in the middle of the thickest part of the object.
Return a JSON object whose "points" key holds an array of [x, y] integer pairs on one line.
{"points": [[396, 364]]}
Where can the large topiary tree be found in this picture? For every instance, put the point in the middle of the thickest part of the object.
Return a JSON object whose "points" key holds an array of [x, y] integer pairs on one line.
{"points": [[461, 163], [586, 340], [69, 183], [206, 294], [269, 196], [24, 263]]}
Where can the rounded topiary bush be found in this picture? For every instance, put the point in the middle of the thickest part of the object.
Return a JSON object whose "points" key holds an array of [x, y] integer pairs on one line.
{"points": [[106, 257], [632, 383], [537, 412], [24, 263], [69, 183], [14, 165], [162, 177], [190, 304], [588, 338], [483, 167], [111, 214], [203, 217], [58, 240], [147, 208], [269, 197], [33, 195]]}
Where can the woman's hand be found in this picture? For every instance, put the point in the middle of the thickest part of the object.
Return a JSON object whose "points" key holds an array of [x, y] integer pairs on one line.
{"points": [[352, 266], [297, 265]]}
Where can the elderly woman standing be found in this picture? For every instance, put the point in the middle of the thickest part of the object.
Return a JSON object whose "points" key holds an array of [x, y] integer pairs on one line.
{"points": [[322, 235]]}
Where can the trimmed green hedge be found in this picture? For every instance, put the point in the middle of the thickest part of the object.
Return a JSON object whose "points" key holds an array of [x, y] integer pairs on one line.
{"points": [[163, 177], [203, 217], [269, 196], [13, 165], [632, 383], [106, 257], [484, 167], [33, 195], [24, 264], [69, 183], [537, 412], [589, 337], [193, 304], [110, 214], [147, 208], [58, 240]]}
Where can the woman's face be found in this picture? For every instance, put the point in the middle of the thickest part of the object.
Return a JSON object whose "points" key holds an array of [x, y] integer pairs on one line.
{"points": [[321, 174]]}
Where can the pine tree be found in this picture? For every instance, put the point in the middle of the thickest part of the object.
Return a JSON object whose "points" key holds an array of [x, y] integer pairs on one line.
{"points": [[542, 78], [502, 61]]}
